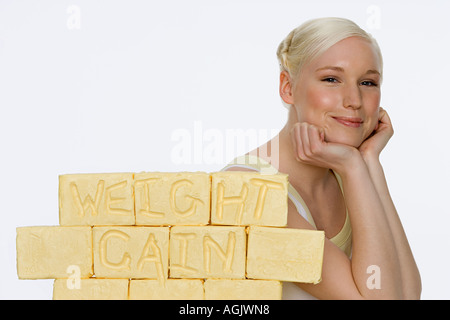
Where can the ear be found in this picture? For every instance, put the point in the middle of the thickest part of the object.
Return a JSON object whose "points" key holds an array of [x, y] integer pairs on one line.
{"points": [[286, 88]]}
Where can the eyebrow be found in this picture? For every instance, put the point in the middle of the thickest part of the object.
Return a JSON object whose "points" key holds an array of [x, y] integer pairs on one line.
{"points": [[371, 71]]}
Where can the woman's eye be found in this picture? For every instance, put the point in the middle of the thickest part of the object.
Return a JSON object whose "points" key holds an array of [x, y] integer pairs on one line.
{"points": [[369, 83], [330, 79]]}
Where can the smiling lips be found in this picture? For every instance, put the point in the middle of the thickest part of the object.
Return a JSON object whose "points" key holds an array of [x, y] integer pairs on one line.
{"points": [[349, 121]]}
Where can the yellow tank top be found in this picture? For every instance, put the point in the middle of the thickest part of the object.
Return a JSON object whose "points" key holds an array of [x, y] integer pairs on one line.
{"points": [[343, 239]]}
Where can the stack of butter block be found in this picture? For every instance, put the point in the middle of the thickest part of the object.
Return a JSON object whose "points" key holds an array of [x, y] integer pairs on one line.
{"points": [[186, 235]]}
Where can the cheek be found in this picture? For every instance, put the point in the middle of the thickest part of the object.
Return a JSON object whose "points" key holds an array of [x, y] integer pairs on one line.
{"points": [[372, 122], [373, 112], [314, 103]]}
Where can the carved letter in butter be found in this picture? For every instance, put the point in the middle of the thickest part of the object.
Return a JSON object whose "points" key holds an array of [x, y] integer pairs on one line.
{"points": [[155, 257], [96, 199], [84, 206], [227, 256], [264, 185], [182, 267], [238, 200], [207, 252], [249, 198], [192, 200], [174, 198], [131, 252], [142, 187], [110, 200], [126, 259]]}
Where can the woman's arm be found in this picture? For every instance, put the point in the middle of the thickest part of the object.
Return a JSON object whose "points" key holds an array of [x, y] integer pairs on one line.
{"points": [[370, 151], [373, 240], [409, 272]]}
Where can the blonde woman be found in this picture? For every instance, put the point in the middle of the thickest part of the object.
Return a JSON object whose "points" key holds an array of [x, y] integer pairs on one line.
{"points": [[331, 73]]}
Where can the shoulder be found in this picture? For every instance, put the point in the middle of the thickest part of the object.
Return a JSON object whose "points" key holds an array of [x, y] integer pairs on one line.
{"points": [[239, 169]]}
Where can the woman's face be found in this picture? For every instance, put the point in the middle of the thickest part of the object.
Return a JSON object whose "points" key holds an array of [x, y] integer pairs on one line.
{"points": [[340, 91]]}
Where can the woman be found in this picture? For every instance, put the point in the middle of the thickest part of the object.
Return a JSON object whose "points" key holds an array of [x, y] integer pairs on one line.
{"points": [[331, 72]]}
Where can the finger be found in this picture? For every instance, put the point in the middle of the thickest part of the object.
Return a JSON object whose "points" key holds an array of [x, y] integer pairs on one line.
{"points": [[296, 142], [384, 117], [316, 141], [292, 134], [305, 139], [384, 123]]}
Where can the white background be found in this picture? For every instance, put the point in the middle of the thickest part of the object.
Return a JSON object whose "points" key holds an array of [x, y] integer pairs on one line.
{"points": [[104, 86]]}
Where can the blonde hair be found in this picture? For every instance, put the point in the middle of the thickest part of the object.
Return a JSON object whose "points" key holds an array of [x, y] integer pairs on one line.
{"points": [[314, 37]]}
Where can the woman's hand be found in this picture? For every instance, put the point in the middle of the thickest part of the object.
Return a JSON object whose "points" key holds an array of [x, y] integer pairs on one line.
{"points": [[311, 148], [375, 143]]}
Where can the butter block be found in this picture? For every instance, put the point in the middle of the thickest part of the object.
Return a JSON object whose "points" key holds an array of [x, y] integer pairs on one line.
{"points": [[249, 198], [172, 198], [47, 252], [96, 199], [172, 289], [207, 252], [224, 289], [131, 252], [285, 254], [91, 289]]}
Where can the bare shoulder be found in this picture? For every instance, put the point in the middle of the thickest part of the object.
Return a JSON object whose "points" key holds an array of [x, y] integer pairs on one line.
{"points": [[240, 169], [295, 220]]}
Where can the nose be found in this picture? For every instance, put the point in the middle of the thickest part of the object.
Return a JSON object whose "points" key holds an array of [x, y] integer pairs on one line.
{"points": [[352, 97]]}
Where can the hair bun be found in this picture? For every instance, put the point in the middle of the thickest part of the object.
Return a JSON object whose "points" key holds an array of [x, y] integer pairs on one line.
{"points": [[283, 50]]}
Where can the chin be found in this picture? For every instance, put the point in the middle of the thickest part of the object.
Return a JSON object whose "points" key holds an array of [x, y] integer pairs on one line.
{"points": [[344, 139]]}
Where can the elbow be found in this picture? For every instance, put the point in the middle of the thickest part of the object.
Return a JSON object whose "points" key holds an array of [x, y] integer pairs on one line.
{"points": [[412, 291], [415, 290], [412, 287]]}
